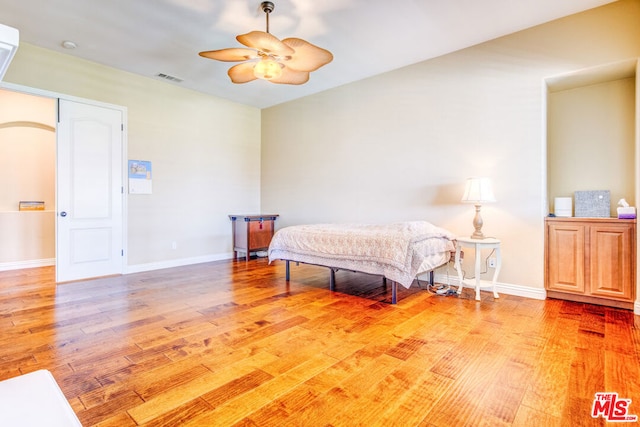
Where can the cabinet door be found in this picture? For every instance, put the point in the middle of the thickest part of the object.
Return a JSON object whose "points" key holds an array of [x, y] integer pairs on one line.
{"points": [[565, 258], [260, 233], [611, 261]]}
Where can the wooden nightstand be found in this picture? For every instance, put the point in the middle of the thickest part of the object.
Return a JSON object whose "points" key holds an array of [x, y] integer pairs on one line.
{"points": [[478, 245], [251, 233]]}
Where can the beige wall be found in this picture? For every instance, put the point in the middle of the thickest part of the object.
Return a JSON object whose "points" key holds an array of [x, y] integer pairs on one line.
{"points": [[205, 153], [400, 145]]}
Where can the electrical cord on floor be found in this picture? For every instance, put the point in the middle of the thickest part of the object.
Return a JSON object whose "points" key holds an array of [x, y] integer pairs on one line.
{"points": [[442, 289]]}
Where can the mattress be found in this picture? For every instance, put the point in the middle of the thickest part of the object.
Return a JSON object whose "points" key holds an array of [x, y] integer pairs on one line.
{"points": [[397, 251]]}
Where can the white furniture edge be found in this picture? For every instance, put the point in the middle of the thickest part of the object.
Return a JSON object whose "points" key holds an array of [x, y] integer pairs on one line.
{"points": [[35, 399]]}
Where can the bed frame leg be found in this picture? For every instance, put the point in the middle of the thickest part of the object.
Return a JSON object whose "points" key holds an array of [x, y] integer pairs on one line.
{"points": [[287, 275], [431, 278], [332, 280], [394, 292]]}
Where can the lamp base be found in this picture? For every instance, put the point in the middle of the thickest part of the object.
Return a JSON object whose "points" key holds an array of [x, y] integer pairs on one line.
{"points": [[477, 224]]}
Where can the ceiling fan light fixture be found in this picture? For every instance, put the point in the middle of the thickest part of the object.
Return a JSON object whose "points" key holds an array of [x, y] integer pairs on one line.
{"points": [[266, 57], [267, 69]]}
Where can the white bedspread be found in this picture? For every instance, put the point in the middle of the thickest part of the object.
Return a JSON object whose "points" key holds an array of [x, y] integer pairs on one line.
{"points": [[397, 251]]}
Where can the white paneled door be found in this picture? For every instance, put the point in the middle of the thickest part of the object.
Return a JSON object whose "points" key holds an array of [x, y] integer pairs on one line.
{"points": [[89, 222]]}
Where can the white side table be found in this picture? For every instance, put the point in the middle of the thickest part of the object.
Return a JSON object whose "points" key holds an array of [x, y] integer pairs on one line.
{"points": [[478, 245]]}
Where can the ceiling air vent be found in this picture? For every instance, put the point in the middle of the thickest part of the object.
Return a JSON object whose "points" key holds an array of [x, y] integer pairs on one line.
{"points": [[170, 78]]}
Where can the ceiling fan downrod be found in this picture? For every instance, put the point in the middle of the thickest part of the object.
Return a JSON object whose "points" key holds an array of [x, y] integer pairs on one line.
{"points": [[267, 8]]}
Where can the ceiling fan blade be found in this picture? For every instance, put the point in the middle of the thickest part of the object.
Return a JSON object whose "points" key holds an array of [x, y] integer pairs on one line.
{"points": [[291, 77], [230, 55], [307, 57], [242, 73], [265, 42]]}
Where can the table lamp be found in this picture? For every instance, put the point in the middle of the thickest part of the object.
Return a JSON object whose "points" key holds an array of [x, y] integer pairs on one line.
{"points": [[478, 191]]}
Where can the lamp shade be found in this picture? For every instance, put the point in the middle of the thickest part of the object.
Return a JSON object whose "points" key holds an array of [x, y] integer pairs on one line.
{"points": [[478, 190]]}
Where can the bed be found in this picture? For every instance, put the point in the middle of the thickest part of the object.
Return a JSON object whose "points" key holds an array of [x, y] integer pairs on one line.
{"points": [[397, 252]]}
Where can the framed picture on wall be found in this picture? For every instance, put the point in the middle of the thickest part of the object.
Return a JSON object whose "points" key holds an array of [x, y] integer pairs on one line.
{"points": [[140, 177]]}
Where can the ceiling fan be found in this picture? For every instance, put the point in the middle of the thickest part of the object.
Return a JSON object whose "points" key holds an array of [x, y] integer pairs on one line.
{"points": [[266, 57]]}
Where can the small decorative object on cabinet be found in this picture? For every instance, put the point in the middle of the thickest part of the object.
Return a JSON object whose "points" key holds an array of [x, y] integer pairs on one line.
{"points": [[478, 245], [251, 233], [591, 260]]}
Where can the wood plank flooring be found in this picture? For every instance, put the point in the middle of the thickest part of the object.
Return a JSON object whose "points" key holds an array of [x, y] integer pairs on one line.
{"points": [[232, 344]]}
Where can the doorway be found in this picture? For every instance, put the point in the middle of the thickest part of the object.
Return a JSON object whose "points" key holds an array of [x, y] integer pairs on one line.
{"points": [[80, 226], [27, 173]]}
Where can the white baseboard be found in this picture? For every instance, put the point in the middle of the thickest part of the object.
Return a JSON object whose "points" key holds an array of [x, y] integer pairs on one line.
{"points": [[636, 308], [32, 263], [139, 268], [502, 288]]}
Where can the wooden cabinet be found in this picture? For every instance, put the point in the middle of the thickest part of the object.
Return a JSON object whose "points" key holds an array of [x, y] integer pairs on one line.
{"points": [[591, 260], [251, 233]]}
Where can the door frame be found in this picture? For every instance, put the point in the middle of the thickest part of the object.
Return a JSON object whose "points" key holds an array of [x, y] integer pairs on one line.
{"points": [[57, 96]]}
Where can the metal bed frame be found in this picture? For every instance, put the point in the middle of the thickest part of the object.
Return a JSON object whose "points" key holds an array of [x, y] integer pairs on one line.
{"points": [[332, 278]]}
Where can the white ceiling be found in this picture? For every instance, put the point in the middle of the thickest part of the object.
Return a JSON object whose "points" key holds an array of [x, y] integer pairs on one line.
{"points": [[366, 37]]}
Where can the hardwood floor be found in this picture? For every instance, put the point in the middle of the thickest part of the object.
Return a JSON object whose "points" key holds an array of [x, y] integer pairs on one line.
{"points": [[230, 343]]}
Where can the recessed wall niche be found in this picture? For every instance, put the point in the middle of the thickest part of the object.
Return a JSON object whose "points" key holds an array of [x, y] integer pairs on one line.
{"points": [[591, 125], [27, 149]]}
